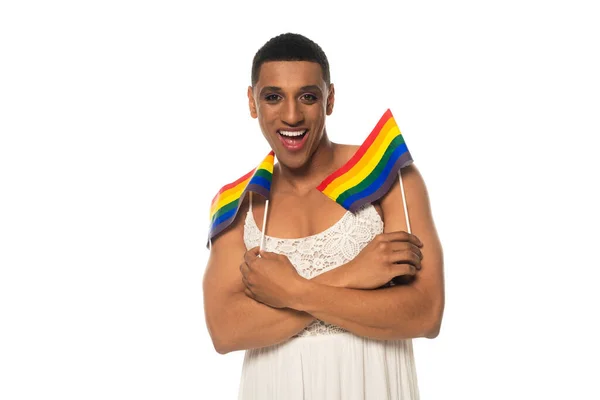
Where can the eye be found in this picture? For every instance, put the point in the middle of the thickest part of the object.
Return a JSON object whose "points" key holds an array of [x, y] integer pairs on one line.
{"points": [[309, 97], [271, 97]]}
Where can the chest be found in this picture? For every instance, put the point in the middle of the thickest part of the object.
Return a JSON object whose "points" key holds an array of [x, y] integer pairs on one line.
{"points": [[290, 217], [313, 246]]}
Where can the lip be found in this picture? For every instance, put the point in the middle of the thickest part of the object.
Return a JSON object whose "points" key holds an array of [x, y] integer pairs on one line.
{"points": [[292, 129], [296, 146]]}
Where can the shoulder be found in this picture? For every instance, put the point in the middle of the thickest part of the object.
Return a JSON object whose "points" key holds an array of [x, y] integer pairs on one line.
{"points": [[348, 150], [233, 199], [344, 152], [414, 193], [234, 233], [227, 205]]}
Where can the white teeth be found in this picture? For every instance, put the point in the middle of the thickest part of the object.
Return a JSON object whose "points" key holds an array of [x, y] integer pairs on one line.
{"points": [[289, 133]]}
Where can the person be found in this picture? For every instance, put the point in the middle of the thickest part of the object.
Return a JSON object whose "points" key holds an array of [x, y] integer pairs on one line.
{"points": [[312, 310]]}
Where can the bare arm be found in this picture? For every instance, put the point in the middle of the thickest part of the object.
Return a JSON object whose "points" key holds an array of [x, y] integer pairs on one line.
{"points": [[235, 321], [398, 312]]}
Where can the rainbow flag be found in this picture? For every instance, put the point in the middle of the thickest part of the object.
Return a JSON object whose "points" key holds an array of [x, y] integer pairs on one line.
{"points": [[227, 201], [372, 171]]}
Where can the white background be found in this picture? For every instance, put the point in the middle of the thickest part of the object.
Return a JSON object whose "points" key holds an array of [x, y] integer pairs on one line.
{"points": [[107, 172]]}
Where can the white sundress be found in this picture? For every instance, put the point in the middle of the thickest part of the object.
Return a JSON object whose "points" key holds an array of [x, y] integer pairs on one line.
{"points": [[324, 361]]}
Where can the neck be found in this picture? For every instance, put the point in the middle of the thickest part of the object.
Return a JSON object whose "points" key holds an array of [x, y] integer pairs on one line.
{"points": [[307, 177]]}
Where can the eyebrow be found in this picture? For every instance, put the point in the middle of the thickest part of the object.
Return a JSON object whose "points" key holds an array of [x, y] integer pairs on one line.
{"points": [[278, 89]]}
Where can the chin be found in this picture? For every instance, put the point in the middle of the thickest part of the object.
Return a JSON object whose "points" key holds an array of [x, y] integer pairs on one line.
{"points": [[296, 161]]}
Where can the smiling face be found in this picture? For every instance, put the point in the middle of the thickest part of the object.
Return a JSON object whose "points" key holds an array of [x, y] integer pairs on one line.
{"points": [[290, 101]]}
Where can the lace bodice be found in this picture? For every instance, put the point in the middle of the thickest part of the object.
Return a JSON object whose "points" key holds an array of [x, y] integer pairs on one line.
{"points": [[316, 254]]}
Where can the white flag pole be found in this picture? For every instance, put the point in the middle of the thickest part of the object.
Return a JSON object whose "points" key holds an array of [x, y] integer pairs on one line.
{"points": [[409, 342], [264, 226], [404, 201]]}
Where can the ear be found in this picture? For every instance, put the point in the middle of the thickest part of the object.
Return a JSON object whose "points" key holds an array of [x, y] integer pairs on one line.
{"points": [[252, 103], [330, 99]]}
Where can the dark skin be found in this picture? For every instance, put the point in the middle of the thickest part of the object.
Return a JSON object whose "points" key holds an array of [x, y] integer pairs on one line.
{"points": [[294, 95], [253, 301], [297, 208]]}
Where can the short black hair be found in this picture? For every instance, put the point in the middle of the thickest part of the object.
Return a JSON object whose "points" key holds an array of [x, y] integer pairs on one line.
{"points": [[290, 47]]}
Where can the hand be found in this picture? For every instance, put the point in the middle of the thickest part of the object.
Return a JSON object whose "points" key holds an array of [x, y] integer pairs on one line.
{"points": [[387, 256], [270, 279]]}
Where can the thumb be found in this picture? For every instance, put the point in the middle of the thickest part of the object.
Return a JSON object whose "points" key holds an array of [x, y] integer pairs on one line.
{"points": [[251, 254], [254, 250]]}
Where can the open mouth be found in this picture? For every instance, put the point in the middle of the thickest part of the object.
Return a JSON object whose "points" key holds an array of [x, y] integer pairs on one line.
{"points": [[293, 140], [294, 135]]}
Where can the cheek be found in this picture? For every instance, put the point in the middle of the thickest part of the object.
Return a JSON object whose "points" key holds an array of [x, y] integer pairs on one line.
{"points": [[319, 124], [318, 116], [267, 114]]}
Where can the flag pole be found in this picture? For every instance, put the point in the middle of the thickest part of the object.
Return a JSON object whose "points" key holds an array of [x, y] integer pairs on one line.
{"points": [[404, 201], [264, 225], [262, 239], [409, 342]]}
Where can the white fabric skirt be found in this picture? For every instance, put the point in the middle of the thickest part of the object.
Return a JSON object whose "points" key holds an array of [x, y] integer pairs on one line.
{"points": [[339, 366]]}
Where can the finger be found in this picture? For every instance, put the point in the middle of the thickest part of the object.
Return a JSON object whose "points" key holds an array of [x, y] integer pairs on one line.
{"points": [[249, 293], [244, 269], [404, 246], [404, 269], [405, 257], [245, 282], [402, 236], [266, 254], [251, 255]]}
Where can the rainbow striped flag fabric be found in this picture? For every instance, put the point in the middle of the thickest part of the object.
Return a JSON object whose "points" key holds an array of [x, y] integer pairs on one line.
{"points": [[227, 201], [373, 169]]}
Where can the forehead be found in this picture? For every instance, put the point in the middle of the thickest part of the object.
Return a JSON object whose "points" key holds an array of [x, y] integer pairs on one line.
{"points": [[290, 74]]}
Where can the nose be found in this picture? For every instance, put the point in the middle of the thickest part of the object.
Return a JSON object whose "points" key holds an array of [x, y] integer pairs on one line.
{"points": [[291, 114]]}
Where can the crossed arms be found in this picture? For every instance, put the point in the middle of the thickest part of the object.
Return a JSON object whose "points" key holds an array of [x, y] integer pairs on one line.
{"points": [[236, 321]]}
